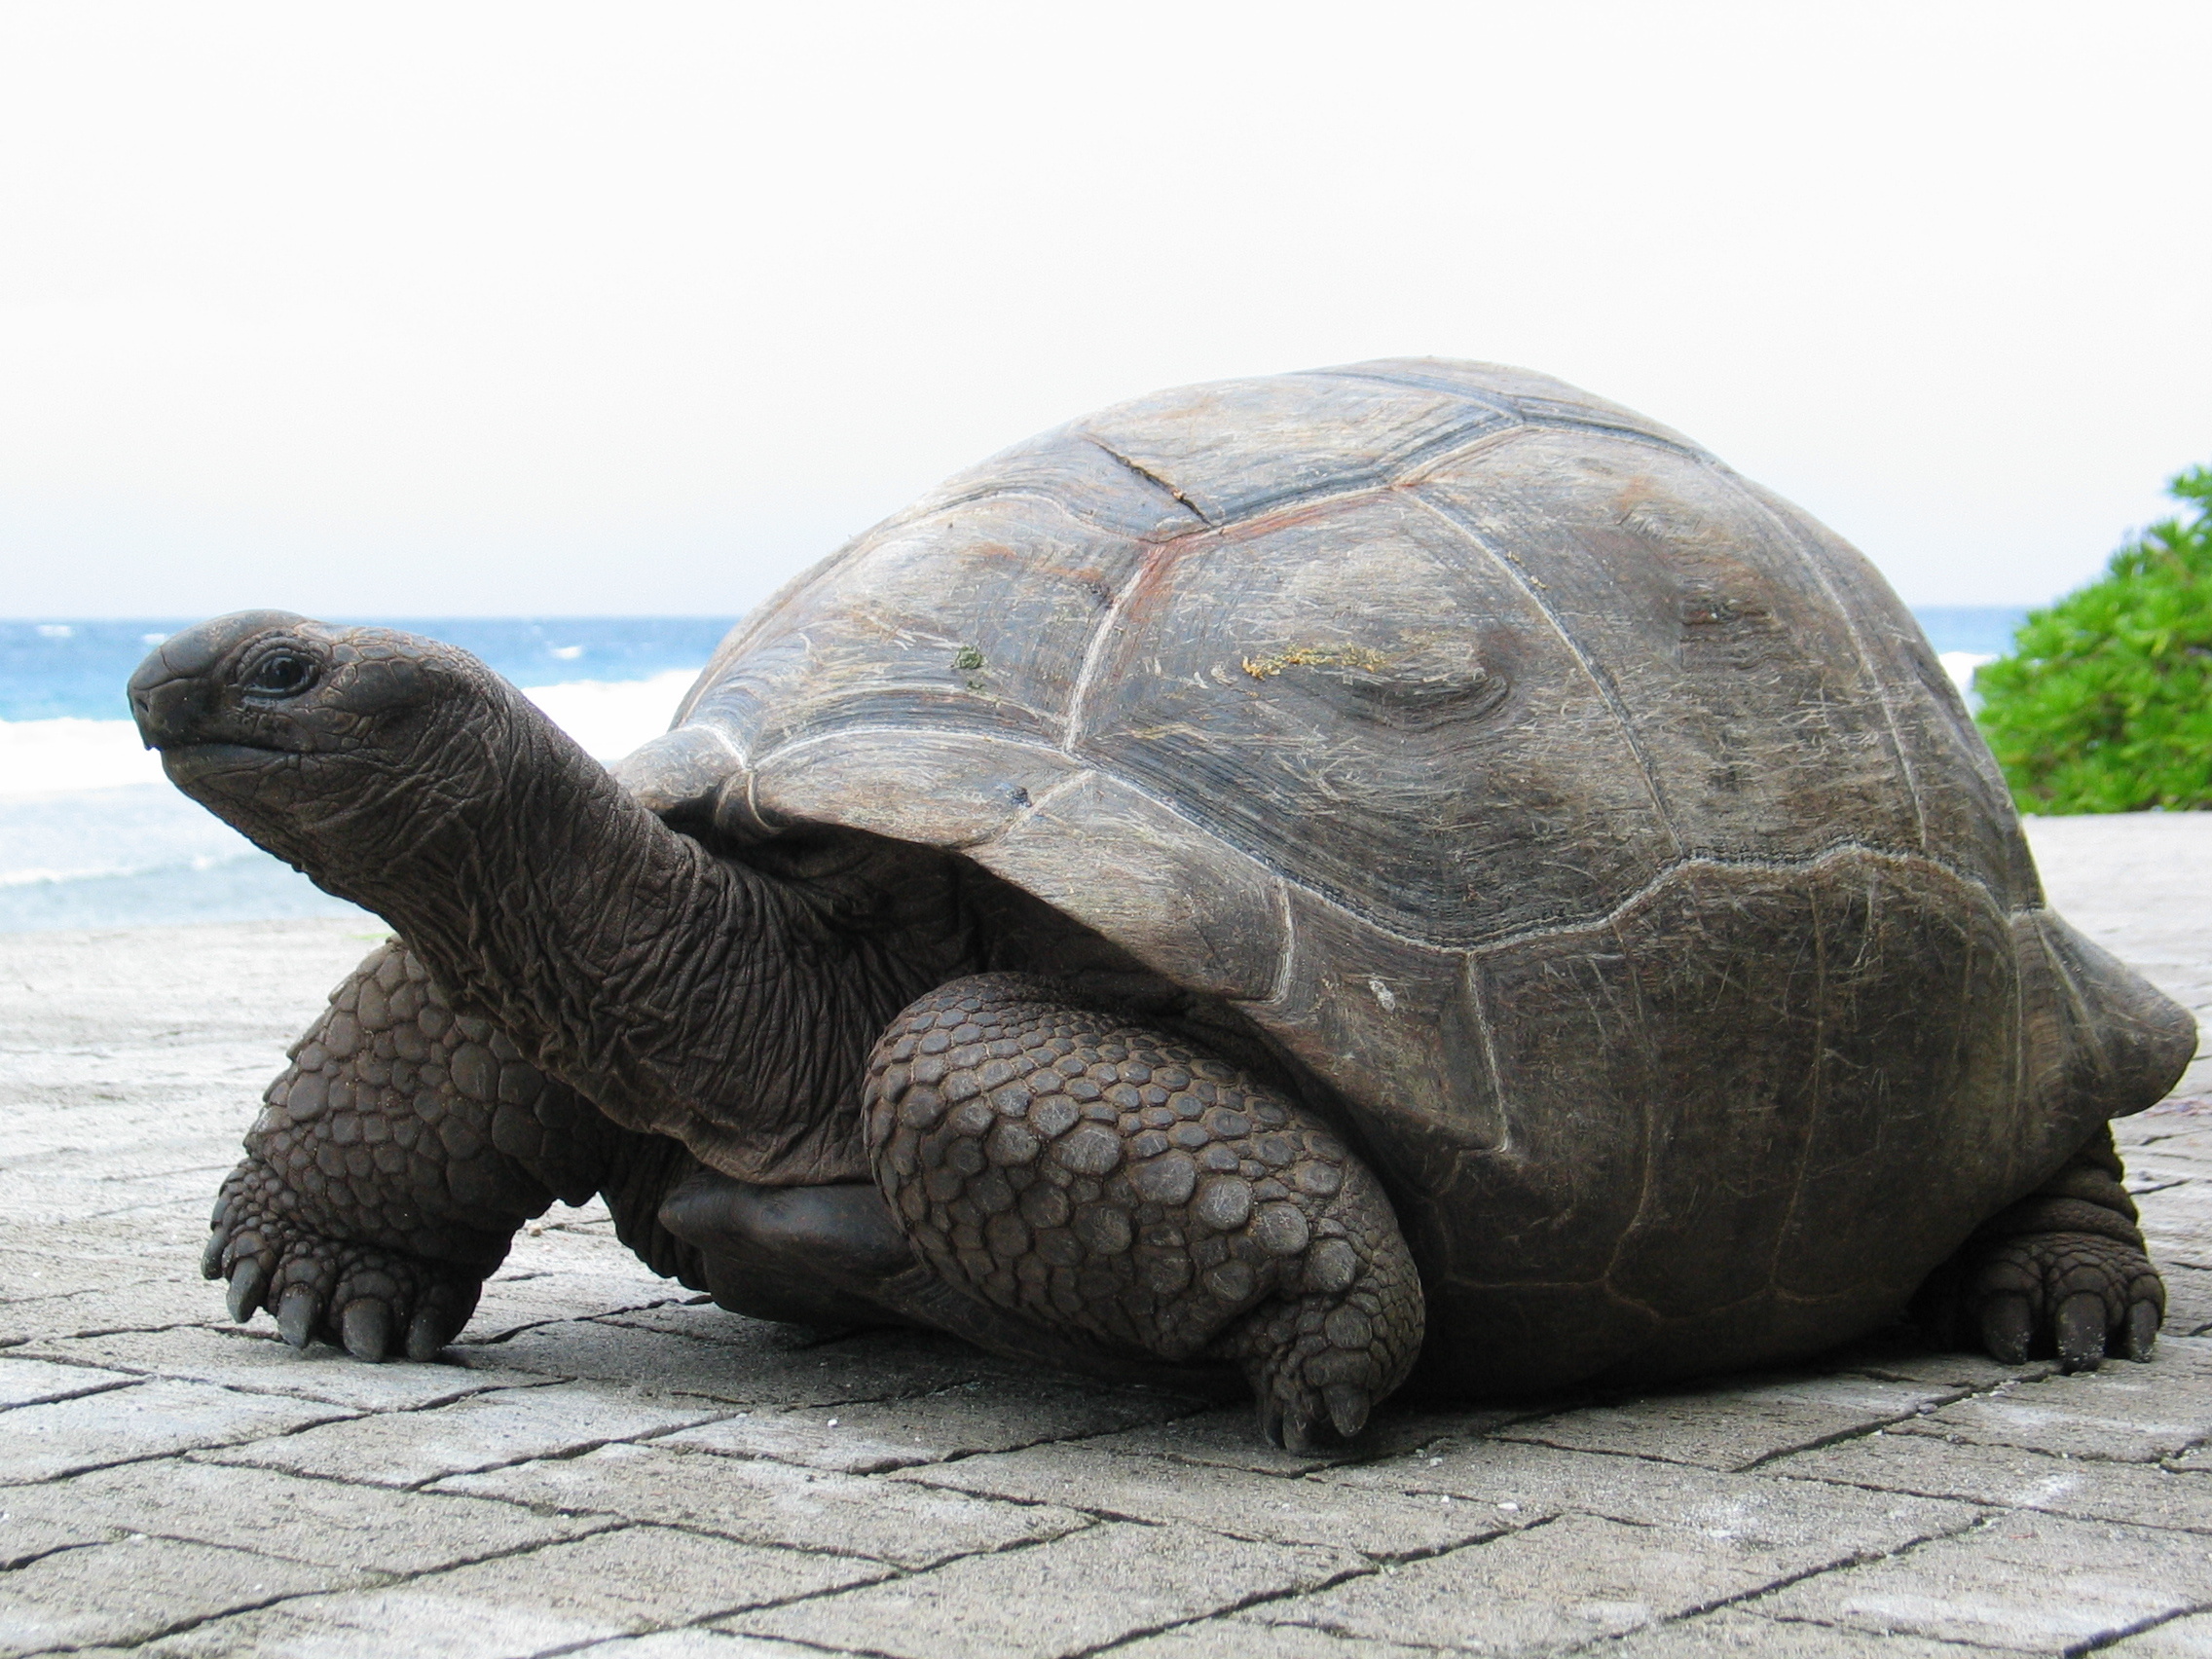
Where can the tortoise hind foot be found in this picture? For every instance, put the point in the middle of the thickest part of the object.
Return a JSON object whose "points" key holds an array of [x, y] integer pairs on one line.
{"points": [[1123, 1193], [2061, 1272], [2078, 1295], [372, 1301]]}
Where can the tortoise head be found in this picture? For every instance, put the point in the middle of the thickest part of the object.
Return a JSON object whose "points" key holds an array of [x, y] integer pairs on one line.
{"points": [[336, 749]]}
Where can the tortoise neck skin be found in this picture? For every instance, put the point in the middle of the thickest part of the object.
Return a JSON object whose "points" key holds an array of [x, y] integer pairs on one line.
{"points": [[682, 993]]}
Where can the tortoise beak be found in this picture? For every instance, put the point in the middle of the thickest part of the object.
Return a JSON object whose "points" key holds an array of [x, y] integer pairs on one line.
{"points": [[174, 691]]}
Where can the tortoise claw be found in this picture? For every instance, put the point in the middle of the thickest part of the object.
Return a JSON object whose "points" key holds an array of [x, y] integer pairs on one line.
{"points": [[2080, 1330], [248, 1279], [2007, 1325], [296, 1314], [2140, 1334], [367, 1328]]}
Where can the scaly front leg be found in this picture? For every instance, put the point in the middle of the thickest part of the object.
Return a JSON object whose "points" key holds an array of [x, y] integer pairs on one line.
{"points": [[393, 1162], [1099, 1179]]}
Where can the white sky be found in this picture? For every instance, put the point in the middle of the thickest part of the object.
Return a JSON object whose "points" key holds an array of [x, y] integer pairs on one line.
{"points": [[413, 309]]}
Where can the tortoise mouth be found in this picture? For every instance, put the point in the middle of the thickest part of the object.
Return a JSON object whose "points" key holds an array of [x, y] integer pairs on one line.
{"points": [[187, 763]]}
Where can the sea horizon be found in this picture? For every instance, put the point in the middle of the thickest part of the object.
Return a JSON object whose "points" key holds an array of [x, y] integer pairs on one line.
{"points": [[92, 836]]}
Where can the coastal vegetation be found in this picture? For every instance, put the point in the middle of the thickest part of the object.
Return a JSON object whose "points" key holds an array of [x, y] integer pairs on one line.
{"points": [[2104, 703]]}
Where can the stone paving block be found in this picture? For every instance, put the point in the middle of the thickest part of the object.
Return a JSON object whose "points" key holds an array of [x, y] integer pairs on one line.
{"points": [[695, 1645], [2038, 1582], [2130, 1413], [784, 1365], [151, 1306], [989, 1415], [1804, 1527], [406, 1449], [644, 1578], [1552, 1587], [2188, 1638], [258, 1363], [127, 1592], [1733, 1632], [509, 1305], [2189, 1301], [25, 1536], [1239, 1636], [1228, 1437], [1067, 1596], [33, 1275], [2006, 1477], [1266, 1508], [331, 1523], [1901, 1355], [146, 1420], [2177, 1224], [27, 1381], [1733, 1426], [553, 1599], [773, 1504]]}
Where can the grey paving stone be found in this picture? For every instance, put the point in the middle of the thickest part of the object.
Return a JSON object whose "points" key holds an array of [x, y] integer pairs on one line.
{"points": [[1070, 1596], [2189, 1300], [1731, 1630], [988, 1414], [127, 1592], [2130, 1412], [1805, 1527], [152, 1306], [2037, 1582], [34, 1274], [1732, 1426], [644, 1578], [27, 1381], [1226, 1437], [2007, 1477], [2179, 1638], [773, 1504], [405, 1449], [26, 1533], [258, 1363], [697, 1644], [327, 1522], [1553, 1587], [528, 1301], [145, 1419], [1240, 1638], [1267, 1508], [402, 1623]]}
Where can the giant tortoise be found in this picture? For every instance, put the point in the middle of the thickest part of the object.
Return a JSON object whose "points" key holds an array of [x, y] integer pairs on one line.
{"points": [[1400, 865]]}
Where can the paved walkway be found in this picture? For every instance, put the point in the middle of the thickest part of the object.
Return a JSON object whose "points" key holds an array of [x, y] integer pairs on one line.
{"points": [[615, 1470]]}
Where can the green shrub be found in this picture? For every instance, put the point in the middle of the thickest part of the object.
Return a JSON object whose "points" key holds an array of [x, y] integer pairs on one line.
{"points": [[2105, 704]]}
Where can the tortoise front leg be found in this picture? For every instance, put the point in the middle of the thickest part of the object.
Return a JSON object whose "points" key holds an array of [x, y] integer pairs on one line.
{"points": [[1106, 1181], [394, 1160], [2061, 1272]]}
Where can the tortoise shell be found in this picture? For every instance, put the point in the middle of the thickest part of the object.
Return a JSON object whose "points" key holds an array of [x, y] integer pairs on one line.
{"points": [[1596, 826]]}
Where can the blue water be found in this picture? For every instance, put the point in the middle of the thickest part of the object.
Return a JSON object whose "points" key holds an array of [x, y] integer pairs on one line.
{"points": [[141, 855], [50, 670]]}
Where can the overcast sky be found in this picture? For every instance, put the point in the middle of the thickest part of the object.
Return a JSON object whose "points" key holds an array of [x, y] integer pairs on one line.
{"points": [[418, 309]]}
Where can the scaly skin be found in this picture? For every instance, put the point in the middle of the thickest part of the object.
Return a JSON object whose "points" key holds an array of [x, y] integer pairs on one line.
{"points": [[391, 1164], [1095, 1176], [2061, 1272]]}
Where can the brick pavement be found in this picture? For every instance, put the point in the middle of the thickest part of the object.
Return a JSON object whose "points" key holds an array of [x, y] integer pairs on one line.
{"points": [[611, 1468]]}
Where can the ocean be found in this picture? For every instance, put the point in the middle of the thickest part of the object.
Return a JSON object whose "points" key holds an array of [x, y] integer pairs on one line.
{"points": [[91, 835]]}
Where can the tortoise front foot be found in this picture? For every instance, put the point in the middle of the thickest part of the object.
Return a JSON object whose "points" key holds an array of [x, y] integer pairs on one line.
{"points": [[1112, 1182], [2061, 1272], [372, 1301]]}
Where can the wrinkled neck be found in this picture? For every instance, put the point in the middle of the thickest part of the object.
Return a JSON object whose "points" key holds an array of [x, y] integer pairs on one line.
{"points": [[681, 992]]}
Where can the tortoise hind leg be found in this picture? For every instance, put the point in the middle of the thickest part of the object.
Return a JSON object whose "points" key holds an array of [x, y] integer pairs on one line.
{"points": [[1112, 1184], [2061, 1272]]}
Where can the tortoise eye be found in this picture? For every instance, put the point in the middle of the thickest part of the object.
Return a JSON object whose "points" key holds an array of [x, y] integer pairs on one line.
{"points": [[281, 674]]}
